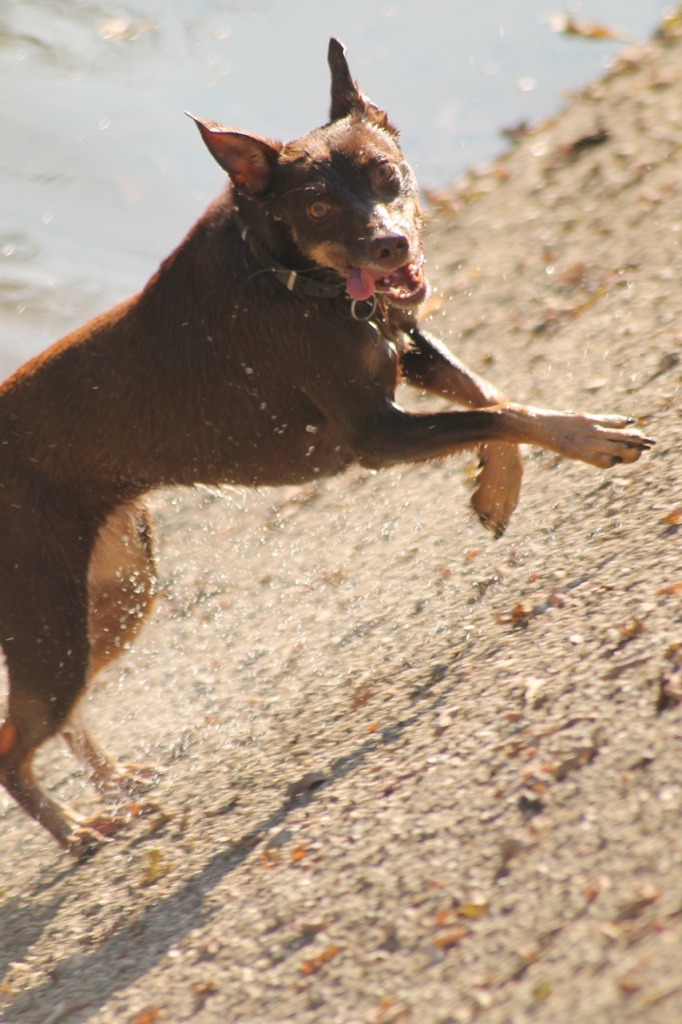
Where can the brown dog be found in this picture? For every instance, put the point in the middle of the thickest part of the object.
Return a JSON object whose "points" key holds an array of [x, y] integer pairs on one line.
{"points": [[266, 350]]}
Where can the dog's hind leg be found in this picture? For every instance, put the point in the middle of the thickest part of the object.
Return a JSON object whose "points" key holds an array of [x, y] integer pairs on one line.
{"points": [[43, 616], [121, 583]]}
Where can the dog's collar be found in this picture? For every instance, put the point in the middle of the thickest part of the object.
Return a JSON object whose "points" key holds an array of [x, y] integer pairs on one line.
{"points": [[293, 280]]}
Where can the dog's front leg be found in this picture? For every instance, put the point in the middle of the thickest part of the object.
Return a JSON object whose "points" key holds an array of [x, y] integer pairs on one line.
{"points": [[430, 365], [398, 436]]}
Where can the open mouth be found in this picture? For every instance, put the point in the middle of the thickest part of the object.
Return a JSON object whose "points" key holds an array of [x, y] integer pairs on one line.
{"points": [[405, 286]]}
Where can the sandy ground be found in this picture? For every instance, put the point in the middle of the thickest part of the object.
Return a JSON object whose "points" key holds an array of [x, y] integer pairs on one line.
{"points": [[412, 773]]}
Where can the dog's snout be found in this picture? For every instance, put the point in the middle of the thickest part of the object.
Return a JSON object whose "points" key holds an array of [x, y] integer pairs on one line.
{"points": [[390, 250]]}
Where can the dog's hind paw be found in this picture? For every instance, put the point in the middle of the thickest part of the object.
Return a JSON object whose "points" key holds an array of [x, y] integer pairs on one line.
{"points": [[499, 485], [131, 779], [91, 833]]}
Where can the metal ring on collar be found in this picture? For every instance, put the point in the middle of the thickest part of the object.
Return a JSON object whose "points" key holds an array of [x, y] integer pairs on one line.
{"points": [[354, 308]]}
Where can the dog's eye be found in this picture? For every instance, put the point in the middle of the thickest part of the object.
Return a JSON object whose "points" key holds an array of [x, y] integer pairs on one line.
{"points": [[318, 209], [384, 172]]}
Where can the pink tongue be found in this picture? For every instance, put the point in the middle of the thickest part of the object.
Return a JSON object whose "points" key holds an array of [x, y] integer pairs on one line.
{"points": [[360, 284]]}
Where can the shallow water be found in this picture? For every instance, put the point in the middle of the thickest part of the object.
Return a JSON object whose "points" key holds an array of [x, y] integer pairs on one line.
{"points": [[101, 173]]}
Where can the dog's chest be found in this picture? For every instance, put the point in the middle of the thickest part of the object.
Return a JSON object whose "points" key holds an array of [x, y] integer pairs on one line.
{"points": [[380, 361], [379, 354]]}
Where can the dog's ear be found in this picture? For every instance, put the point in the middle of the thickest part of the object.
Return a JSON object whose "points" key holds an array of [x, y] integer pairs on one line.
{"points": [[248, 159], [346, 97]]}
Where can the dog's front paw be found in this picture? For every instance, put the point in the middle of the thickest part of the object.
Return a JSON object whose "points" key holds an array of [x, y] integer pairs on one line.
{"points": [[499, 485], [603, 441]]}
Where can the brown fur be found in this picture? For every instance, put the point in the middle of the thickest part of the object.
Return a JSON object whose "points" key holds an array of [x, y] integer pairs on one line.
{"points": [[217, 373]]}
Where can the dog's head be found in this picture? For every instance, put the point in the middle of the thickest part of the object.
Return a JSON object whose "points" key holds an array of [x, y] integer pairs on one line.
{"points": [[344, 191]]}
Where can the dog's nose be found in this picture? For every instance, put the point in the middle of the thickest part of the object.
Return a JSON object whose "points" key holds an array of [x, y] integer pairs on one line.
{"points": [[390, 251]]}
